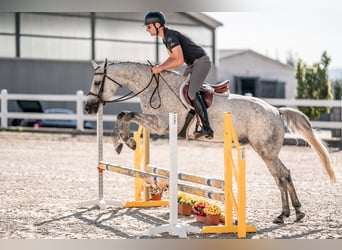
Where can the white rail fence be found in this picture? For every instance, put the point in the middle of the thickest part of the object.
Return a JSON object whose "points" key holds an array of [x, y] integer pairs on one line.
{"points": [[79, 98]]}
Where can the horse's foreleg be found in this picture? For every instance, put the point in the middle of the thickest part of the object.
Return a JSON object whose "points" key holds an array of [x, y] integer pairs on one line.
{"points": [[126, 137], [148, 121], [116, 132]]}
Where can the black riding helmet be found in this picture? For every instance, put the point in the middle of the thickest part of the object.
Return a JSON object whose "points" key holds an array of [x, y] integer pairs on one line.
{"points": [[155, 17]]}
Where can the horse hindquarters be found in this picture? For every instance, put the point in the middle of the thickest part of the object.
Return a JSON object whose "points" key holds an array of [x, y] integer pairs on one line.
{"points": [[268, 147], [263, 127]]}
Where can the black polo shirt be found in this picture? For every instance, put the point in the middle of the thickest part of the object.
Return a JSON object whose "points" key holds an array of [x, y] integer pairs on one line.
{"points": [[191, 50]]}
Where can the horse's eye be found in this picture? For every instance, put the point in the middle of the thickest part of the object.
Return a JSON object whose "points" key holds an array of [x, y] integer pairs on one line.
{"points": [[97, 83]]}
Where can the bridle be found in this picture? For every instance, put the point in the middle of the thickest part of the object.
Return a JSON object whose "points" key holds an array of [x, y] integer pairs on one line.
{"points": [[100, 93], [131, 94], [127, 96]]}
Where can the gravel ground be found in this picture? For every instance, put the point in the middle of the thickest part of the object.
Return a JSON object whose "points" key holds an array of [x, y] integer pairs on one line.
{"points": [[43, 177]]}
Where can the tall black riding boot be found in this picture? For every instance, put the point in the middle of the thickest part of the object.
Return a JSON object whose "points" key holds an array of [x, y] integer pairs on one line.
{"points": [[201, 110], [188, 119]]}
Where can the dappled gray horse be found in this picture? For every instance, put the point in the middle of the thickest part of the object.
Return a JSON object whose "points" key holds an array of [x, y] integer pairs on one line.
{"points": [[253, 119]]}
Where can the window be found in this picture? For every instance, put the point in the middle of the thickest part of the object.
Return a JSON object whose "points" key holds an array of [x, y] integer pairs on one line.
{"points": [[124, 51], [55, 36], [55, 48], [69, 36], [7, 48], [7, 35]]}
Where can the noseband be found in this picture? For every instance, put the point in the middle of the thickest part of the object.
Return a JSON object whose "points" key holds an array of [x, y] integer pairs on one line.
{"points": [[100, 93], [129, 95]]}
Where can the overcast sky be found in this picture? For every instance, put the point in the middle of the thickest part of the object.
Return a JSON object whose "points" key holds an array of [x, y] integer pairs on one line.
{"points": [[305, 34]]}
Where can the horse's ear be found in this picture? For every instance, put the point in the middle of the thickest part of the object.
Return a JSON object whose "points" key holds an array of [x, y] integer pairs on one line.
{"points": [[95, 66]]}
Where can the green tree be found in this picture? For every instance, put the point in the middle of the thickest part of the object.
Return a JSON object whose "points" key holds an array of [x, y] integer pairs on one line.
{"points": [[313, 83], [337, 84], [291, 59]]}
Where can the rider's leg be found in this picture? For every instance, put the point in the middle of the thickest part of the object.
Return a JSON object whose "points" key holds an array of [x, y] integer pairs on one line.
{"points": [[199, 71], [188, 119], [200, 108]]}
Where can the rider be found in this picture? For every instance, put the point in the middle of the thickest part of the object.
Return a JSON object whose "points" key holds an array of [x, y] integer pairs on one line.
{"points": [[182, 49]]}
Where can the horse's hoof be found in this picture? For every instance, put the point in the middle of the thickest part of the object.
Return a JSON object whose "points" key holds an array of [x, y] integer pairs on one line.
{"points": [[299, 216], [119, 148], [278, 220], [131, 143], [182, 135], [198, 135]]}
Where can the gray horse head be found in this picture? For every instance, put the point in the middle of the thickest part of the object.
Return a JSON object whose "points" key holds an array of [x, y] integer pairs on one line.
{"points": [[102, 87]]}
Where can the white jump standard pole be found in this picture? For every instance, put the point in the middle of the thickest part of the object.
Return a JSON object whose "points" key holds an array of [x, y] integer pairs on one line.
{"points": [[180, 230], [100, 202]]}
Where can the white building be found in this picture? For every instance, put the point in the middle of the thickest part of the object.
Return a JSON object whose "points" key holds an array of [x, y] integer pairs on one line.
{"points": [[252, 73], [41, 45], [51, 52]]}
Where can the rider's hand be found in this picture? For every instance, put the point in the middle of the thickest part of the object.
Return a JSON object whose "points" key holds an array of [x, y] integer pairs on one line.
{"points": [[156, 69]]}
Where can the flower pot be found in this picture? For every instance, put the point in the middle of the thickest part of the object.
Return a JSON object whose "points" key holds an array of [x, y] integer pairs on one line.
{"points": [[184, 209], [156, 197], [200, 218], [212, 219]]}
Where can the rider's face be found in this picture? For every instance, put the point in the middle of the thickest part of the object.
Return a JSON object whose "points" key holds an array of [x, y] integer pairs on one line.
{"points": [[151, 29]]}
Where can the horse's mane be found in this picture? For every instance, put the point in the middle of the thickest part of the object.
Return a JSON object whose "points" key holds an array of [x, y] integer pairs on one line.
{"points": [[165, 72]]}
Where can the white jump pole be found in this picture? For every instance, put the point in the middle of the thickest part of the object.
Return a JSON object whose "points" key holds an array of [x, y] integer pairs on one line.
{"points": [[100, 202], [180, 230]]}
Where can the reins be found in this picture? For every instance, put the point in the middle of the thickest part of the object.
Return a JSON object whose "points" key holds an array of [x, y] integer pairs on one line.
{"points": [[129, 95], [167, 84]]}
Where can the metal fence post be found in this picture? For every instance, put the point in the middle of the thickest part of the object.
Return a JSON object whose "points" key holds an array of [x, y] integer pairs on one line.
{"points": [[79, 109], [4, 109]]}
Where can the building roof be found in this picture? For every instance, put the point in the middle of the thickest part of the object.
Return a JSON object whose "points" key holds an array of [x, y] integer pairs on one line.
{"points": [[204, 19], [229, 53], [190, 18]]}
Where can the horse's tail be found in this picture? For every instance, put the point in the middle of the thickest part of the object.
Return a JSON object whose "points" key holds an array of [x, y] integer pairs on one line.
{"points": [[299, 122]]}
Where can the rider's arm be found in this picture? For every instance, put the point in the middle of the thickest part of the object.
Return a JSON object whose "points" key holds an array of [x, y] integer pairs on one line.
{"points": [[174, 60]]}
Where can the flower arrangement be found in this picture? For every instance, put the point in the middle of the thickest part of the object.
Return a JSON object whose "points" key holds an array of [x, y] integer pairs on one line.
{"points": [[212, 209], [199, 207], [185, 203], [156, 191], [186, 199]]}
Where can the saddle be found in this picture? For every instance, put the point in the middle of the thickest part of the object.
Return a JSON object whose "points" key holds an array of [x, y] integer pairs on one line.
{"points": [[207, 91]]}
